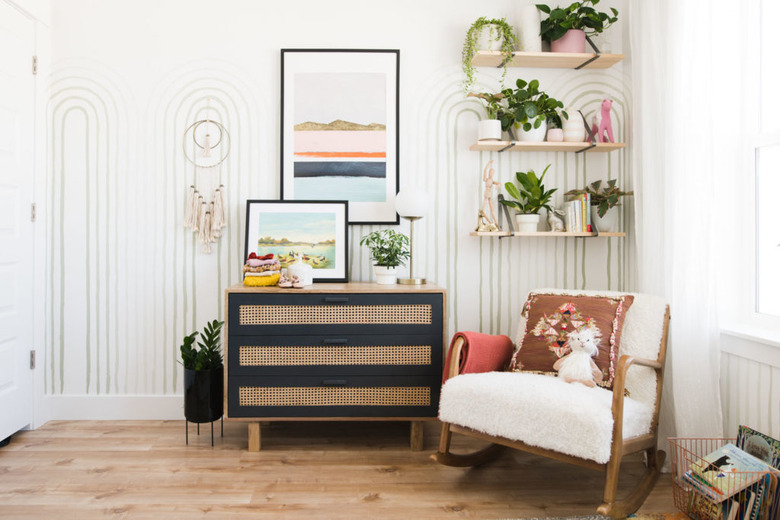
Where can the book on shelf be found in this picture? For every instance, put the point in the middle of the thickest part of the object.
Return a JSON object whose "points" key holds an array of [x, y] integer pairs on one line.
{"points": [[728, 470]]}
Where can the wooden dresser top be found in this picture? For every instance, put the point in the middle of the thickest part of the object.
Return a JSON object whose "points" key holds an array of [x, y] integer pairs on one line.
{"points": [[352, 287]]}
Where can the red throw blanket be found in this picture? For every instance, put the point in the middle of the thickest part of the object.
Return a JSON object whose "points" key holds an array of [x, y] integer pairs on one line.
{"points": [[480, 353]]}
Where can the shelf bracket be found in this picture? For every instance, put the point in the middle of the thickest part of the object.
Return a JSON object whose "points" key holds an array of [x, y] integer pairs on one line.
{"points": [[594, 58], [507, 147], [592, 138]]}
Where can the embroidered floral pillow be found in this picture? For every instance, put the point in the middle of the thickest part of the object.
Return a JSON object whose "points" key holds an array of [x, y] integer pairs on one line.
{"points": [[551, 317]]}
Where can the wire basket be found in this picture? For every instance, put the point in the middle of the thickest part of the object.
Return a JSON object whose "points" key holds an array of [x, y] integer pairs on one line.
{"points": [[701, 504]]}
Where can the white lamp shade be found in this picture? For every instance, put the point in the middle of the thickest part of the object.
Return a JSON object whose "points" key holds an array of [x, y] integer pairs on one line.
{"points": [[412, 202]]}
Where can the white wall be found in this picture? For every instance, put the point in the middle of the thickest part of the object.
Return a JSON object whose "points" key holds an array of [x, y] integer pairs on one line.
{"points": [[125, 281]]}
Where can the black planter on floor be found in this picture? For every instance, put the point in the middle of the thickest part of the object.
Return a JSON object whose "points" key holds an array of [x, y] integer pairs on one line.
{"points": [[203, 391]]}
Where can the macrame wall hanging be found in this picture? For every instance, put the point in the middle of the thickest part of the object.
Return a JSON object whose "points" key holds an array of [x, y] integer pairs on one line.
{"points": [[206, 145]]}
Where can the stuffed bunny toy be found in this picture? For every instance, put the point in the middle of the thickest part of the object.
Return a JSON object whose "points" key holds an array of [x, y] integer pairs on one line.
{"points": [[578, 366]]}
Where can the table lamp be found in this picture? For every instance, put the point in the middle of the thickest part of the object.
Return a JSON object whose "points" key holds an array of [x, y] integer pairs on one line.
{"points": [[411, 204]]}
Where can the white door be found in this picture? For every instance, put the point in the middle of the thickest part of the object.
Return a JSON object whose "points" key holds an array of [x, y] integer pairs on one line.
{"points": [[16, 231]]}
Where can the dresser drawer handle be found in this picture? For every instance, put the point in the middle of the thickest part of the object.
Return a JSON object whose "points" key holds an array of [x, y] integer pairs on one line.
{"points": [[335, 341], [334, 382], [335, 299]]}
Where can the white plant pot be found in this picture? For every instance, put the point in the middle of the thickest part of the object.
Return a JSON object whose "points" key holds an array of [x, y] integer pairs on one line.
{"points": [[527, 223], [489, 130], [608, 223], [574, 127], [385, 275], [534, 135], [528, 20], [490, 38]]}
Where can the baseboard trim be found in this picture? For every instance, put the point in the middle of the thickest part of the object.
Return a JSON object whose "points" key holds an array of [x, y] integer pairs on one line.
{"points": [[113, 407]]}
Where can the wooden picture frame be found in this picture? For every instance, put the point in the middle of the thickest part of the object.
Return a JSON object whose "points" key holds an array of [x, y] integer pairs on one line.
{"points": [[315, 228], [339, 129]]}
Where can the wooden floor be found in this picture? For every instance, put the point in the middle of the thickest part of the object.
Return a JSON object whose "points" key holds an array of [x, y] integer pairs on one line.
{"points": [[142, 469]]}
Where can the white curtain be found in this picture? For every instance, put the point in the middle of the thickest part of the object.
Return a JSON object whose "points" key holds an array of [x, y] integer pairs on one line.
{"points": [[686, 75]]}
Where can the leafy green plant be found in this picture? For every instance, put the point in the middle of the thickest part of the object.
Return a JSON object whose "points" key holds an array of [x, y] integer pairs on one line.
{"points": [[579, 15], [531, 196], [500, 31], [605, 198], [492, 102], [209, 356], [388, 247], [527, 102]]}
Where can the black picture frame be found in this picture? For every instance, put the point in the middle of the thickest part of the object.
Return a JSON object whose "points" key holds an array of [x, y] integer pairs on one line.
{"points": [[300, 223], [304, 170]]}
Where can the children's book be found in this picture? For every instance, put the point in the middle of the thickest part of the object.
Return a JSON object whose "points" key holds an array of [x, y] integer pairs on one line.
{"points": [[759, 445], [703, 487], [704, 509], [729, 470]]}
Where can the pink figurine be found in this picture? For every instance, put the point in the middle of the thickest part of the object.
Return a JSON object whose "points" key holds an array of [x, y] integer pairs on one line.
{"points": [[602, 123]]}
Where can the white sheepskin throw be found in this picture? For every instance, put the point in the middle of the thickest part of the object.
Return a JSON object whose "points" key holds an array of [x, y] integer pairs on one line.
{"points": [[541, 411]]}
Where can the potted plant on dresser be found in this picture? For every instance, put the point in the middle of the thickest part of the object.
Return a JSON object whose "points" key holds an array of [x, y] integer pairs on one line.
{"points": [[528, 110], [530, 198], [388, 249], [487, 34], [203, 374], [602, 200], [566, 27]]}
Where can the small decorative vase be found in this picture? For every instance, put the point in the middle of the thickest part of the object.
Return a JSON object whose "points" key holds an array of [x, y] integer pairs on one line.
{"points": [[489, 130], [534, 135], [385, 275], [528, 22], [304, 272], [572, 41], [490, 38], [527, 223], [555, 135], [608, 223], [574, 127]]}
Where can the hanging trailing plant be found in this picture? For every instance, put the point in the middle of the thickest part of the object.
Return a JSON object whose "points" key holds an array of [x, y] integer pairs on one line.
{"points": [[500, 31]]}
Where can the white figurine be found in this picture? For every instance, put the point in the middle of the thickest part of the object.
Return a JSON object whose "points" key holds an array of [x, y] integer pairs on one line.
{"points": [[555, 220]]}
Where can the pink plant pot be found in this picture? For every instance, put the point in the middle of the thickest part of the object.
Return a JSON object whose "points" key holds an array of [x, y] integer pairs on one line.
{"points": [[555, 135], [572, 41]]}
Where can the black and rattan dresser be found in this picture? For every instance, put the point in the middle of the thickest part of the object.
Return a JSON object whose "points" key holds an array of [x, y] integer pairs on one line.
{"points": [[355, 351]]}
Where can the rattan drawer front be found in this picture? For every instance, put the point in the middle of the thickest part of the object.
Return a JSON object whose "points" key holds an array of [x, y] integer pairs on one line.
{"points": [[333, 397], [262, 355], [348, 313]]}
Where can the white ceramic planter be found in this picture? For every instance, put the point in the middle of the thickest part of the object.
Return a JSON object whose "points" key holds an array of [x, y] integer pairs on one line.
{"points": [[608, 223], [489, 130], [535, 135], [574, 127], [490, 38], [385, 275], [528, 20], [527, 223]]}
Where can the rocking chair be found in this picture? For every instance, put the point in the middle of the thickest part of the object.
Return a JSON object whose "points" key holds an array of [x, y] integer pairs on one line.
{"points": [[569, 422]]}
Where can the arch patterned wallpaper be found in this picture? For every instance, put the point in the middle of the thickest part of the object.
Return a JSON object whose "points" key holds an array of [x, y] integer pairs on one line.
{"points": [[126, 280]]}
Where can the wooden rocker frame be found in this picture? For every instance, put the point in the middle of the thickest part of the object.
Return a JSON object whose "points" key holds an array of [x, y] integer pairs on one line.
{"points": [[648, 443]]}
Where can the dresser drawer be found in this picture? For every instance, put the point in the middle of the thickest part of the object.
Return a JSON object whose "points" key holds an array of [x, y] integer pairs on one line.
{"points": [[325, 313], [333, 396], [343, 354]]}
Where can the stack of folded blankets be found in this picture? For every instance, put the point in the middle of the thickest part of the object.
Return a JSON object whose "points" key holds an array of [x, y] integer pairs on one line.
{"points": [[262, 270]]}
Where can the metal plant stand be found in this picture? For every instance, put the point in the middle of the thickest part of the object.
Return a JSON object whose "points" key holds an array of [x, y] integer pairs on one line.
{"points": [[221, 430]]}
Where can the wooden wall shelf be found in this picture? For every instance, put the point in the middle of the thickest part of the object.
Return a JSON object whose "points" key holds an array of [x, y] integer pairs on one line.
{"points": [[545, 146], [540, 234], [548, 60]]}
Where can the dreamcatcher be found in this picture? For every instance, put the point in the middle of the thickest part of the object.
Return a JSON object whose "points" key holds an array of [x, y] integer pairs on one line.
{"points": [[206, 145]]}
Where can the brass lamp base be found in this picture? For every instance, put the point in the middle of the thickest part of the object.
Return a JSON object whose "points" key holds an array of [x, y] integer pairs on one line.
{"points": [[411, 281]]}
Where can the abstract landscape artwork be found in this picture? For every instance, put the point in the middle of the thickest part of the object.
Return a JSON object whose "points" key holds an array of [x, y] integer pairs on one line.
{"points": [[339, 130], [315, 230]]}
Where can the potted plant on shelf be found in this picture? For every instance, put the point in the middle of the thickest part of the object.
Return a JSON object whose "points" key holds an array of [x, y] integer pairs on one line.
{"points": [[490, 129], [555, 128], [530, 198], [603, 199], [490, 34], [203, 374], [388, 249], [566, 27], [528, 110]]}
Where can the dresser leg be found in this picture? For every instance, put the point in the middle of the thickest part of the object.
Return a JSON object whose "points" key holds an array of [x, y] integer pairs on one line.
{"points": [[417, 436], [254, 436]]}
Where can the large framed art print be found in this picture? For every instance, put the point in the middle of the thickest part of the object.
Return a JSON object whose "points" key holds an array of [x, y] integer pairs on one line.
{"points": [[340, 130], [317, 230]]}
